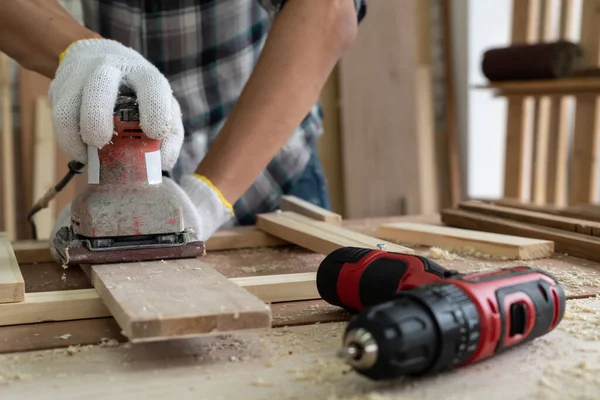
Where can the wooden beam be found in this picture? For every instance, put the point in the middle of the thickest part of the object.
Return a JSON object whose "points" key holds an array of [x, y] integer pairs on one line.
{"points": [[66, 305], [302, 207], [574, 244], [318, 236], [12, 285], [239, 237], [553, 221], [456, 239]]}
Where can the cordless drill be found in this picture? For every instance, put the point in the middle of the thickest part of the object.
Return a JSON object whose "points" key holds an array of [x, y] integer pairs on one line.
{"points": [[460, 321], [413, 316]]}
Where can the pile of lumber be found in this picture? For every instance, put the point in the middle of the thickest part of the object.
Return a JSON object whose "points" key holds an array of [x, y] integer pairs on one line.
{"points": [[573, 230]]}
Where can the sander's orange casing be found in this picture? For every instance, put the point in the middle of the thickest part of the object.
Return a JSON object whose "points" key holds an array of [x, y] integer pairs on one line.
{"points": [[126, 208]]}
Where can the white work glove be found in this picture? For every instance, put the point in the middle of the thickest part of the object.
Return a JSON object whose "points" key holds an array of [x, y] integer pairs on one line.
{"points": [[204, 208], [84, 91]]}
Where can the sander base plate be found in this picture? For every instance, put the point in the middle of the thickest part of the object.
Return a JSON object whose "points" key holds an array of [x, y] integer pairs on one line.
{"points": [[74, 249]]}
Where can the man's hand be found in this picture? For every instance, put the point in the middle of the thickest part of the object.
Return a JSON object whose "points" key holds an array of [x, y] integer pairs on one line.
{"points": [[84, 91]]}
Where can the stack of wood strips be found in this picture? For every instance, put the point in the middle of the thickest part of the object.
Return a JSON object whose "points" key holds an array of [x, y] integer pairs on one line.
{"points": [[574, 230]]}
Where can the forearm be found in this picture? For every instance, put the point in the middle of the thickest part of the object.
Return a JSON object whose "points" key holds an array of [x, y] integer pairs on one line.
{"points": [[36, 32], [305, 42]]}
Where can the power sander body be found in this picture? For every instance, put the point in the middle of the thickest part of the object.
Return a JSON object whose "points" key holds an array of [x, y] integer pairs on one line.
{"points": [[126, 213]]}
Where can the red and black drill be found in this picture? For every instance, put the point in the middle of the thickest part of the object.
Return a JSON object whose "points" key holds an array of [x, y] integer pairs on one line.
{"points": [[437, 319]]}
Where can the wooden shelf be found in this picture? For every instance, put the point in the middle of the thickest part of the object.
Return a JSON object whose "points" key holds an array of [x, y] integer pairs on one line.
{"points": [[580, 85]]}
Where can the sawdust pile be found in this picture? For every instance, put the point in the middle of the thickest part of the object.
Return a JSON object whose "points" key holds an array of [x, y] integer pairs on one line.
{"points": [[576, 381], [582, 319]]}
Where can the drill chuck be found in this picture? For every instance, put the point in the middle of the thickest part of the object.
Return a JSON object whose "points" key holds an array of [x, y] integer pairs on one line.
{"points": [[425, 329]]}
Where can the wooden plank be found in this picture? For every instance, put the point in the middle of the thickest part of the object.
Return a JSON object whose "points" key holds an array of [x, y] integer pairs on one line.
{"points": [[452, 136], [558, 136], [571, 212], [239, 237], [8, 151], [66, 305], [381, 111], [525, 22], [179, 298], [12, 285], [517, 124], [302, 207], [44, 166], [543, 111], [575, 244], [553, 221], [464, 240], [31, 86], [63, 305], [584, 157], [318, 236]]}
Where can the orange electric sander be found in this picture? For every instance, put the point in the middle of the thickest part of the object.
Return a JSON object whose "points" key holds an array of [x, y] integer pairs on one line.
{"points": [[126, 213]]}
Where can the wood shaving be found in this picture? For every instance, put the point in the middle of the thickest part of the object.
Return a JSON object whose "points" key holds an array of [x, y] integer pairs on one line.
{"points": [[262, 383], [64, 337]]}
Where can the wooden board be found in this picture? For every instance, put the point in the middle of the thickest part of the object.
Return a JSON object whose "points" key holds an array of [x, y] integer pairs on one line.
{"points": [[318, 236], [65, 305], [464, 240], [12, 285], [178, 298], [575, 244], [302, 207], [553, 221], [379, 113]]}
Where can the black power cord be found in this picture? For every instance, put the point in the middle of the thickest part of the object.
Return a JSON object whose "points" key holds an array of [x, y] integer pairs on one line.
{"points": [[75, 167]]}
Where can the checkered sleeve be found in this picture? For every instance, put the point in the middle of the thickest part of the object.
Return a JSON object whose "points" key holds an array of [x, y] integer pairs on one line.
{"points": [[274, 6]]}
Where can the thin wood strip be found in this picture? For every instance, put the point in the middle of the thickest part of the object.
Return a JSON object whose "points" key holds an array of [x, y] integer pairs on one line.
{"points": [[302, 207], [558, 136], [239, 237], [12, 285], [318, 236], [8, 150], [457, 239], [585, 227], [543, 111], [44, 165], [65, 305], [574, 244]]}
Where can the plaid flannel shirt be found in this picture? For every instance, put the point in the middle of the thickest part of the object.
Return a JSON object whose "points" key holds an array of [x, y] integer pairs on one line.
{"points": [[207, 50]]}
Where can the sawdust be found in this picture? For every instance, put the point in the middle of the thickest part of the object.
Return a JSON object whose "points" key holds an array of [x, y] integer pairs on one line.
{"points": [[581, 319], [576, 381], [459, 253], [64, 337], [262, 383]]}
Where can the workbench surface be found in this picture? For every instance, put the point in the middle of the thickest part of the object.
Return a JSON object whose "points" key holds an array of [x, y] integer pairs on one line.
{"points": [[298, 362]]}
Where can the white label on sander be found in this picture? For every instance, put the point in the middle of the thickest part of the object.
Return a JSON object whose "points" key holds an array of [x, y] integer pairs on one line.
{"points": [[93, 165], [153, 167]]}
